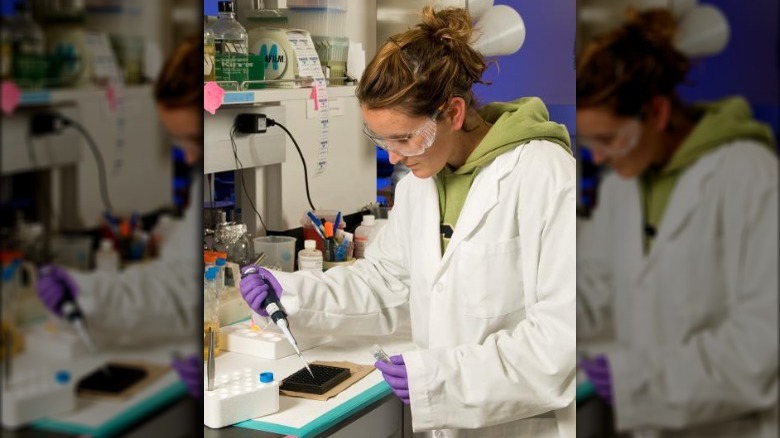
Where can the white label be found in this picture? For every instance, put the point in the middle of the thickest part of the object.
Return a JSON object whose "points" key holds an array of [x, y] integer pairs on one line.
{"points": [[309, 263]]}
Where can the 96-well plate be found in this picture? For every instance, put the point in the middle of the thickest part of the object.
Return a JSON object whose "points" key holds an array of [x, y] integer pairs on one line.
{"points": [[325, 378]]}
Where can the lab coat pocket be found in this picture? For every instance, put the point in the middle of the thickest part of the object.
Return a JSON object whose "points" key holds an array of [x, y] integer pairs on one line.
{"points": [[488, 278]]}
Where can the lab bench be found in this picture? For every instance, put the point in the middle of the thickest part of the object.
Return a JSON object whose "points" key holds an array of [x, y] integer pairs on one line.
{"points": [[160, 408], [367, 408]]}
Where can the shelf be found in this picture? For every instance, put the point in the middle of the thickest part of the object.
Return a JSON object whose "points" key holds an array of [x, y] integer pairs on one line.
{"points": [[65, 95], [267, 95]]}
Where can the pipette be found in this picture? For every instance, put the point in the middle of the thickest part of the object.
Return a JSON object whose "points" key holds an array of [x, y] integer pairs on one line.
{"points": [[72, 313], [275, 310]]}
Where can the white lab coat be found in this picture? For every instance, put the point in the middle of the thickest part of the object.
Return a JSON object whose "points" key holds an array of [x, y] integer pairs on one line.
{"points": [[155, 301], [493, 319], [696, 319]]}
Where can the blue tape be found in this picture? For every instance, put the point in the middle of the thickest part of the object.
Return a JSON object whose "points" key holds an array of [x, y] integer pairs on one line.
{"points": [[134, 415], [327, 420], [239, 97]]}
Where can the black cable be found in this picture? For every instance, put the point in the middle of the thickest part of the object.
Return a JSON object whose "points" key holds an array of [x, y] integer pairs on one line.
{"points": [[243, 184], [272, 122], [211, 201], [101, 167], [30, 148]]}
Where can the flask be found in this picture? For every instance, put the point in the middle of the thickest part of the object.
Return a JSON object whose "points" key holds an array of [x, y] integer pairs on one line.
{"points": [[230, 47], [363, 235], [310, 258]]}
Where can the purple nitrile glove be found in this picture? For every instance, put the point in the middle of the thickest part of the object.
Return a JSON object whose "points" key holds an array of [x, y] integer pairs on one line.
{"points": [[254, 288], [190, 371], [54, 285], [395, 376], [597, 370]]}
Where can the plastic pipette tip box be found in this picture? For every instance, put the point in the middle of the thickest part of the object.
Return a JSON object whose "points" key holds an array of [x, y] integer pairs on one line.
{"points": [[61, 344], [239, 396], [265, 344], [325, 378], [35, 395]]}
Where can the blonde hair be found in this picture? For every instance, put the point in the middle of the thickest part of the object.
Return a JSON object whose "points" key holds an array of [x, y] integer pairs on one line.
{"points": [[624, 69], [418, 70]]}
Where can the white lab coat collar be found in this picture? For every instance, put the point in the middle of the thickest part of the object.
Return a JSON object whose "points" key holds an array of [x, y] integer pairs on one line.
{"points": [[683, 201], [482, 197]]}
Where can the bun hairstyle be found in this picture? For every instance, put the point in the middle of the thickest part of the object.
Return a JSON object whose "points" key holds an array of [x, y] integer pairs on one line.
{"points": [[418, 70], [178, 85], [624, 69]]}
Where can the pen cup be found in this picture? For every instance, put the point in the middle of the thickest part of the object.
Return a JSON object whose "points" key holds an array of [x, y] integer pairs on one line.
{"points": [[308, 228], [327, 265]]}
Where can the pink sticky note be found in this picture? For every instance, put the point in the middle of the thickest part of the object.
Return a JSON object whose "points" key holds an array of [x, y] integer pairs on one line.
{"points": [[111, 97], [313, 95], [11, 96], [212, 97]]}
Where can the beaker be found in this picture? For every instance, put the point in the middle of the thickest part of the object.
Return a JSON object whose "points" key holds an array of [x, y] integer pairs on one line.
{"points": [[279, 251]]}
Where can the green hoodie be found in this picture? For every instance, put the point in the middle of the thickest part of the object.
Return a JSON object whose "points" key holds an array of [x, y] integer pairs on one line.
{"points": [[722, 122], [514, 123]]}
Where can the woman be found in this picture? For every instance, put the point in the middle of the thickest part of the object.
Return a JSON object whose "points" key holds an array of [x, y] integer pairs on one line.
{"points": [[478, 247], [681, 254], [160, 299]]}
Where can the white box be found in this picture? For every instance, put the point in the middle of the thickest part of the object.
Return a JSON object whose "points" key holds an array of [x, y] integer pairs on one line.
{"points": [[60, 344], [35, 395], [237, 397], [265, 344]]}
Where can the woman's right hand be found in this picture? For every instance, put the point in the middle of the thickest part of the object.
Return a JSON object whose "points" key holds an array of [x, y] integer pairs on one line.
{"points": [[254, 288]]}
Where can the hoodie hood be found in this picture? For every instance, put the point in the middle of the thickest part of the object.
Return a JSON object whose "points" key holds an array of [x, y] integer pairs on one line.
{"points": [[721, 123], [514, 123]]}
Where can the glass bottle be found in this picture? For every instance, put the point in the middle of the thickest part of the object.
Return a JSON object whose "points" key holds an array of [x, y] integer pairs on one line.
{"points": [[230, 48], [28, 49], [210, 310], [208, 51]]}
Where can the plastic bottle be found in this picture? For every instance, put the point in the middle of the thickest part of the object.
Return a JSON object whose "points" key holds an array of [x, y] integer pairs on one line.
{"points": [[5, 50], [208, 51], [363, 236], [230, 47], [28, 48], [106, 257], [310, 258], [221, 265]]}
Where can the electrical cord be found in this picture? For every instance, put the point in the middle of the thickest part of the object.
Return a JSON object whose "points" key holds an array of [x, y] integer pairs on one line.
{"points": [[101, 167], [272, 122], [243, 183], [30, 148]]}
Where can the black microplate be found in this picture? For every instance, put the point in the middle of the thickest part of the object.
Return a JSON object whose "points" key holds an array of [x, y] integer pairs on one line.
{"points": [[117, 379], [325, 378]]}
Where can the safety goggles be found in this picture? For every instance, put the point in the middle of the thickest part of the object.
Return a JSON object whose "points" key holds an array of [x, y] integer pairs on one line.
{"points": [[617, 144], [411, 144]]}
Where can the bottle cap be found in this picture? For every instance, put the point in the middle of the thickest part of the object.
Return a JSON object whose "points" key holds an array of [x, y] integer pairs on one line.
{"points": [[62, 377], [209, 258], [309, 244], [220, 262], [106, 244], [266, 377], [225, 6], [368, 219], [211, 273]]}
